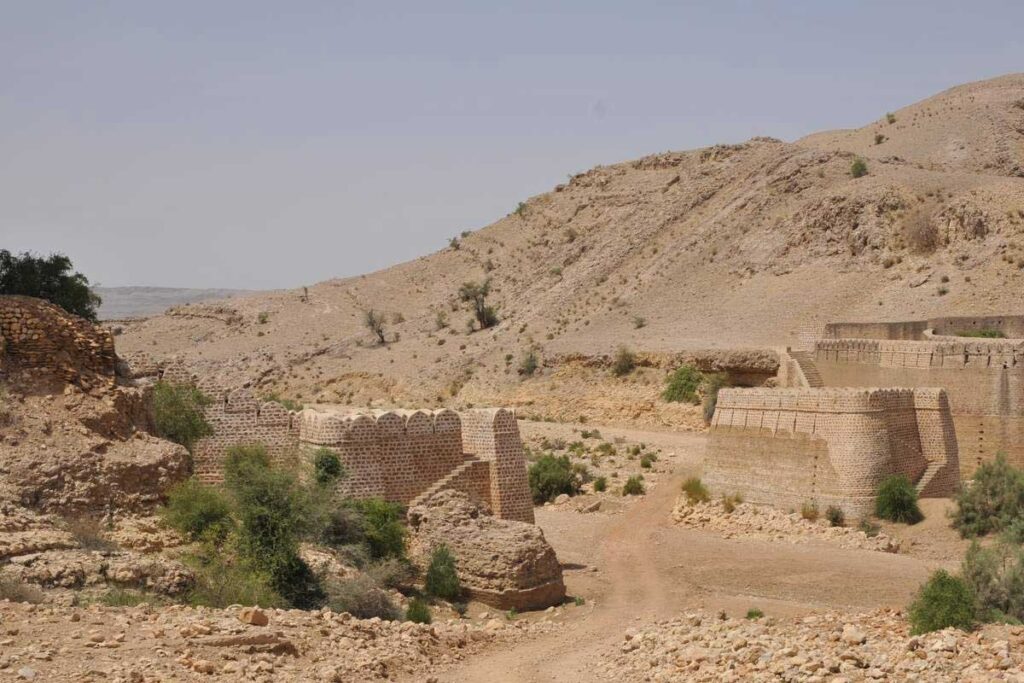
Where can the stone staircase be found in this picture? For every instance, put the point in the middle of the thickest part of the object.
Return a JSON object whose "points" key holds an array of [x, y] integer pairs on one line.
{"points": [[445, 481], [808, 367]]}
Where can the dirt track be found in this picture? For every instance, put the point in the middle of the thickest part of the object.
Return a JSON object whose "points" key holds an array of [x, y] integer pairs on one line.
{"points": [[648, 569]]}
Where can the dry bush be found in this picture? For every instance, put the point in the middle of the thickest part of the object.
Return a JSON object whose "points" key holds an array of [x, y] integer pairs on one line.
{"points": [[919, 232], [14, 589], [89, 534]]}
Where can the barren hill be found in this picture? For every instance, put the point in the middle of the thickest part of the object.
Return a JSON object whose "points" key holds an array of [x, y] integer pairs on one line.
{"points": [[728, 246]]}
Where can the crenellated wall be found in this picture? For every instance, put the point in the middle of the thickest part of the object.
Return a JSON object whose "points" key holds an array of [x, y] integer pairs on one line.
{"points": [[984, 379], [785, 447], [401, 455]]}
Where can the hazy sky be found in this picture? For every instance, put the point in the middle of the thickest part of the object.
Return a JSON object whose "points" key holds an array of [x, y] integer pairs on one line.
{"points": [[257, 144]]}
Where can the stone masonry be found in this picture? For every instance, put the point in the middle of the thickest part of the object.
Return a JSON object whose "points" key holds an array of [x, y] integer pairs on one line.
{"points": [[787, 447], [402, 456]]}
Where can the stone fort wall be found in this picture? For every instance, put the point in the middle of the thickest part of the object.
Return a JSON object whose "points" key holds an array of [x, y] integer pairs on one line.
{"points": [[38, 335], [401, 456], [984, 379], [785, 447]]}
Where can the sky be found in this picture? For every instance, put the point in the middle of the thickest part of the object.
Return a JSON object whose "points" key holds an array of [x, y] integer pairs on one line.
{"points": [[277, 144]]}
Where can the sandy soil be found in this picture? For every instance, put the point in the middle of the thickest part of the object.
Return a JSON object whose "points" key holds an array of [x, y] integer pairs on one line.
{"points": [[649, 569]]}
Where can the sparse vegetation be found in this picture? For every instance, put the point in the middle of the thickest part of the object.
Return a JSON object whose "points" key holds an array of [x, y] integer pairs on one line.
{"points": [[695, 491], [529, 364], [14, 589], [713, 384], [639, 322], [859, 168], [897, 501], [984, 333], [199, 512], [289, 404], [944, 601], [418, 612], [327, 467], [476, 294], [891, 118], [624, 362], [754, 613], [442, 579], [178, 413], [683, 385], [868, 528], [263, 318], [919, 232], [550, 476], [879, 138], [809, 511], [835, 516], [634, 486], [51, 278], [729, 503], [993, 501], [600, 484], [374, 322]]}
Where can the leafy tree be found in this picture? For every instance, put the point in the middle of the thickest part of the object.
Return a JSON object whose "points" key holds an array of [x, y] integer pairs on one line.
{"points": [[993, 501], [442, 580], [50, 278], [943, 601], [476, 294], [178, 413], [382, 529]]}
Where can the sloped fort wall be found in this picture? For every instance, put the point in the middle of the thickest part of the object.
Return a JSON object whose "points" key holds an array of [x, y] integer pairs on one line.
{"points": [[984, 379], [401, 456], [785, 447]]}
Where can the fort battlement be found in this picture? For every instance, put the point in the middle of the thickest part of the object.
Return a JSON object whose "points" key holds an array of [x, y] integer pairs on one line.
{"points": [[832, 446], [399, 455]]}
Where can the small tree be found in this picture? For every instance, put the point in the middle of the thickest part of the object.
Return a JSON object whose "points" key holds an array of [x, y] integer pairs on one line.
{"points": [[178, 413], [476, 294], [375, 323], [50, 278], [993, 501], [199, 512], [897, 500], [442, 579]]}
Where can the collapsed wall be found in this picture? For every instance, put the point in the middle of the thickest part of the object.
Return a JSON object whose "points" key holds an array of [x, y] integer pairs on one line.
{"points": [[984, 379], [400, 455], [38, 335], [787, 447]]}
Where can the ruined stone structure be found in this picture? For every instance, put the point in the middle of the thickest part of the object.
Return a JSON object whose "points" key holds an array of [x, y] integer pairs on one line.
{"points": [[38, 335], [401, 456], [984, 378], [787, 447]]}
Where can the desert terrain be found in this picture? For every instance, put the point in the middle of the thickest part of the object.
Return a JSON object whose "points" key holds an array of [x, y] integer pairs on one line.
{"points": [[719, 259]]}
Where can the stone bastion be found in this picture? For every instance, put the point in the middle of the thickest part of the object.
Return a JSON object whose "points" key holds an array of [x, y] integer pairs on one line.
{"points": [[830, 446]]}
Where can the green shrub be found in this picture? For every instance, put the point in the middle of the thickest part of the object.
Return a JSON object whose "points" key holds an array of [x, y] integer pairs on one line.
{"points": [[274, 513], [382, 528], [178, 413], [897, 501], [391, 572], [50, 278], [476, 294], [624, 362], [868, 528], [123, 597], [198, 511], [288, 403], [809, 511], [943, 601], [600, 484], [695, 491], [754, 613], [362, 598], [982, 334], [835, 516], [442, 580], [996, 578], [327, 467], [634, 486], [683, 385], [712, 385], [417, 612], [647, 461], [529, 364], [858, 168], [993, 501], [223, 579], [551, 476]]}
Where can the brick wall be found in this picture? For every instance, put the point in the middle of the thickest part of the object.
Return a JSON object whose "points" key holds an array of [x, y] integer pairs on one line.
{"points": [[397, 455], [785, 447], [41, 336], [984, 380]]}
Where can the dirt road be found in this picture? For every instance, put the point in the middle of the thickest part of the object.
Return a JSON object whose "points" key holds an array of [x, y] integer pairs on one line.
{"points": [[649, 569]]}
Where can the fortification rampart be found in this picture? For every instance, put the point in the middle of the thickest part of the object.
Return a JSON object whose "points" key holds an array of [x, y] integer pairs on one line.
{"points": [[38, 335], [400, 455], [785, 447], [1009, 326], [984, 379]]}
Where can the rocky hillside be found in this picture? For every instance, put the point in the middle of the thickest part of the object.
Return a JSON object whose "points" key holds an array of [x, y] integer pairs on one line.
{"points": [[729, 246]]}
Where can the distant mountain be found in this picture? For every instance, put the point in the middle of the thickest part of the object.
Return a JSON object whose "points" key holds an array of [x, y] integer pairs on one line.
{"points": [[136, 302]]}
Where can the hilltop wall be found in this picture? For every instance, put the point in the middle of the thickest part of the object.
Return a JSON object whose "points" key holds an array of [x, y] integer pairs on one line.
{"points": [[1011, 326], [785, 447], [984, 379], [403, 456], [38, 335]]}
